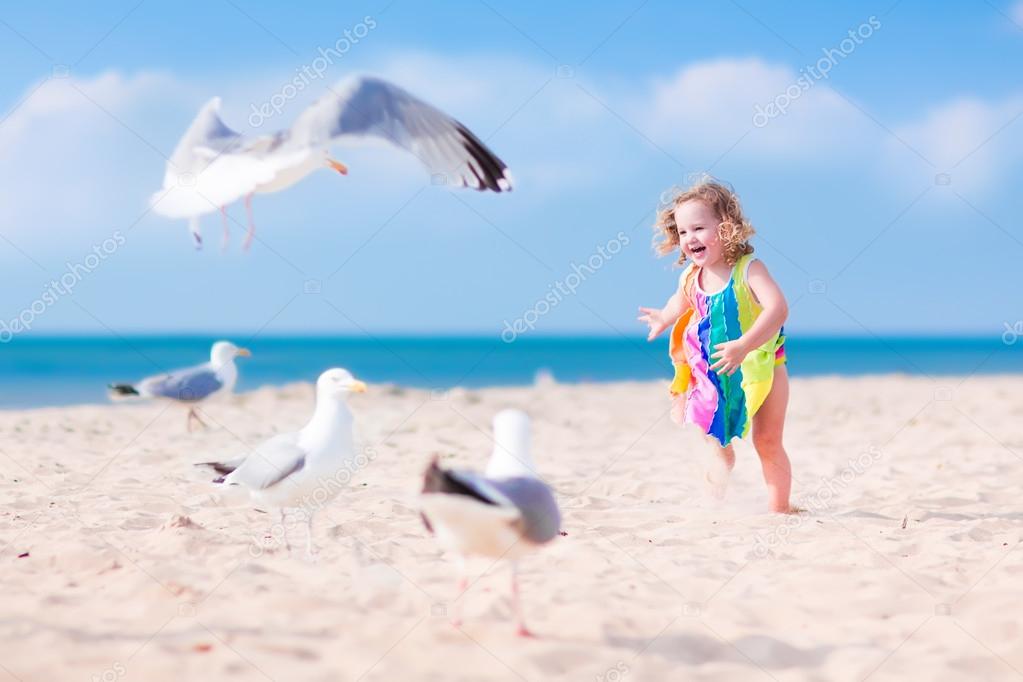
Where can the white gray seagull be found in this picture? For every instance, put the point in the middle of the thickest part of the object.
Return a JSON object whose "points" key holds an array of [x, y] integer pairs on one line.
{"points": [[502, 514], [302, 469], [191, 385], [214, 166]]}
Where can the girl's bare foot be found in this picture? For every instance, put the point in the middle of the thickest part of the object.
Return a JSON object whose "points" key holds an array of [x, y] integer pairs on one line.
{"points": [[719, 472], [716, 488]]}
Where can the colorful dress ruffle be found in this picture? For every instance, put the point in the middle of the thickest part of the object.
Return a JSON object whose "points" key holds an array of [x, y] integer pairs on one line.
{"points": [[722, 406]]}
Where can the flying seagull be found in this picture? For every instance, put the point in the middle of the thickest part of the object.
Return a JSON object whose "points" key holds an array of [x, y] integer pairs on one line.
{"points": [[192, 385], [214, 166], [301, 469], [503, 514]]}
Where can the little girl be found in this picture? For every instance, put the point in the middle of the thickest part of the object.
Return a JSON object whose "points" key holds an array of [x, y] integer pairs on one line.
{"points": [[727, 342]]}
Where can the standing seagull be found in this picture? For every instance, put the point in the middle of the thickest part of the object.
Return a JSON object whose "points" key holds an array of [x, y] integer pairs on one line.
{"points": [[300, 469], [192, 385], [214, 166], [503, 514]]}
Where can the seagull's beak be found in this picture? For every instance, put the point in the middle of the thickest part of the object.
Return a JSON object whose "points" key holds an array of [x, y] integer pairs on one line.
{"points": [[338, 166], [244, 353], [357, 386]]}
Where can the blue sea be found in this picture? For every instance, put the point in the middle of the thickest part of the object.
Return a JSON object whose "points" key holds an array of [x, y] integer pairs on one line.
{"points": [[45, 371]]}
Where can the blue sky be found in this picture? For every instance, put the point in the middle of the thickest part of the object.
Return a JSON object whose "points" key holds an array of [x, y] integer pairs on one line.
{"points": [[886, 196]]}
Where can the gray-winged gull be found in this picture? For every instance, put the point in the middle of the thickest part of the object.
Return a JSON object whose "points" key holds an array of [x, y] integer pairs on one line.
{"points": [[214, 166], [503, 514], [191, 385], [302, 469]]}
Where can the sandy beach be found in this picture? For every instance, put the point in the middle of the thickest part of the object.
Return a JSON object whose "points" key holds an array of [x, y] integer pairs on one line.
{"points": [[120, 561]]}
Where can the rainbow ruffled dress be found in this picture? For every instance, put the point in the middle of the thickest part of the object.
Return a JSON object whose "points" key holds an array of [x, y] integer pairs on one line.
{"points": [[722, 406]]}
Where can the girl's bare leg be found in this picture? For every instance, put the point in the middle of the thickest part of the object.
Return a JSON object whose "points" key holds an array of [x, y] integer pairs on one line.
{"points": [[768, 424], [720, 461], [719, 470]]}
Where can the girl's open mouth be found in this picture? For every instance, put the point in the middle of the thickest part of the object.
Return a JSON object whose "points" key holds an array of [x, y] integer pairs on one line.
{"points": [[698, 249]]}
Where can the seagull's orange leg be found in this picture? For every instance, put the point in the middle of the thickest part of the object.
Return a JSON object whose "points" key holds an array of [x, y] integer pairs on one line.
{"points": [[461, 587], [520, 624], [252, 224], [192, 414]]}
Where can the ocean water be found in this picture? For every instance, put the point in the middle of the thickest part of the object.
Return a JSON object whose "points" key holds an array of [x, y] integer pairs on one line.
{"points": [[44, 371]]}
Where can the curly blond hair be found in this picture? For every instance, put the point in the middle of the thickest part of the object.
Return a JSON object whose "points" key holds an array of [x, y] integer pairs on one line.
{"points": [[734, 230]]}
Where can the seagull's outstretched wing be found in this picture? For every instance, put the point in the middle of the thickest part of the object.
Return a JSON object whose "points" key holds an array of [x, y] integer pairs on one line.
{"points": [[212, 166], [188, 385], [364, 106], [270, 464]]}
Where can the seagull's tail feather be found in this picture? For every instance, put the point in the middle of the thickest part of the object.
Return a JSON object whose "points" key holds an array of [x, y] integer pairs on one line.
{"points": [[122, 391], [433, 480], [433, 477], [223, 468]]}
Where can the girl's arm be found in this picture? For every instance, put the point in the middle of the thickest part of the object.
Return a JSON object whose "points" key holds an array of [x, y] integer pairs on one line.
{"points": [[730, 354], [659, 320], [771, 298]]}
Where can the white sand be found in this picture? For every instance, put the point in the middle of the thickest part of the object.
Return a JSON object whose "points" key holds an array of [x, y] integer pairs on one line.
{"points": [[137, 570]]}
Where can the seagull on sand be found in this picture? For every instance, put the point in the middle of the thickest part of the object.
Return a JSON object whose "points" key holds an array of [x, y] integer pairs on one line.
{"points": [[503, 514], [192, 385], [214, 166], [302, 469]]}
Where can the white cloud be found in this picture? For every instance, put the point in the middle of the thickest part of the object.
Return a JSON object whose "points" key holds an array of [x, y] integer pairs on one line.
{"points": [[970, 139], [462, 85], [707, 107], [711, 105], [69, 99], [66, 152]]}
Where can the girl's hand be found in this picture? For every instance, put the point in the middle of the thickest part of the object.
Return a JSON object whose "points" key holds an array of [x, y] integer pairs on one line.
{"points": [[655, 319], [729, 356]]}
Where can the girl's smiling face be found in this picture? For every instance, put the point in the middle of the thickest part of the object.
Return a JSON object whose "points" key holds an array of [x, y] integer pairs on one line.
{"points": [[697, 225]]}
